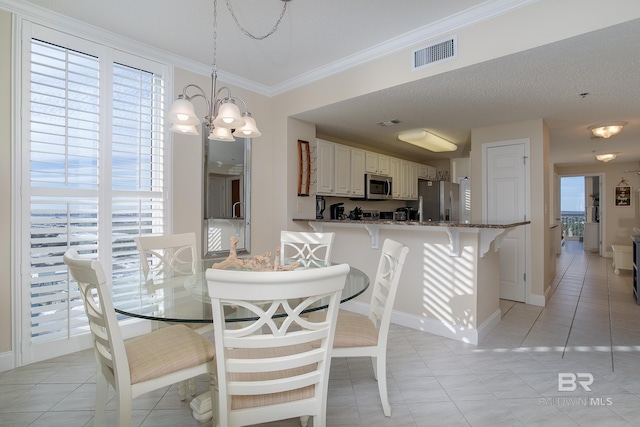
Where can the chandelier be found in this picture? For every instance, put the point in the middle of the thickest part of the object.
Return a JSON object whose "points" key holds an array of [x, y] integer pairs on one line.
{"points": [[224, 118]]}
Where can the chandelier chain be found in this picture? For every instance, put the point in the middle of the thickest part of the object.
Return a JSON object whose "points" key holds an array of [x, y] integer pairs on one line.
{"points": [[250, 35], [215, 33]]}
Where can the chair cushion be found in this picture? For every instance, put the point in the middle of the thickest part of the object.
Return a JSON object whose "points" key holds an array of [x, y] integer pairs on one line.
{"points": [[251, 401], [352, 329], [166, 350]]}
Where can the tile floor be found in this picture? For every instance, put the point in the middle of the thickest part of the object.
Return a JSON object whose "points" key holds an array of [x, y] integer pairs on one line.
{"points": [[590, 327]]}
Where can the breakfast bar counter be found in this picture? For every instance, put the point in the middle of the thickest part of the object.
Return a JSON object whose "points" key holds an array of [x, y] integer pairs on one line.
{"points": [[450, 284]]}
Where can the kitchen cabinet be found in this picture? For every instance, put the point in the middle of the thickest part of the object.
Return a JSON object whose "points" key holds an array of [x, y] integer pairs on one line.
{"points": [[342, 170], [427, 172], [413, 181], [357, 172], [460, 168], [325, 171], [378, 164], [394, 166], [405, 179]]}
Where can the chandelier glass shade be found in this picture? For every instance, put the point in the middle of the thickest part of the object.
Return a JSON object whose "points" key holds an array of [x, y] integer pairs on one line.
{"points": [[224, 117], [607, 130], [606, 157]]}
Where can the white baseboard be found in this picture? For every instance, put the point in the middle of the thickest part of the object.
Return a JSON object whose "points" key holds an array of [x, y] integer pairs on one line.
{"points": [[535, 299], [7, 361], [471, 336]]}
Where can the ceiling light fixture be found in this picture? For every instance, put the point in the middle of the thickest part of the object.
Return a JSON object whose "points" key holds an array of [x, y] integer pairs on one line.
{"points": [[607, 130], [427, 140], [606, 157], [223, 115]]}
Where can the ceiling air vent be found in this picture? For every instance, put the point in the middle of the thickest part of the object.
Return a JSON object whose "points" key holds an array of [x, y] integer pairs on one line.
{"points": [[440, 51]]}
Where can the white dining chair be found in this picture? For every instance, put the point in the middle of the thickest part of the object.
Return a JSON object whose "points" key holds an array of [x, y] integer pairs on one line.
{"points": [[306, 248], [139, 365], [267, 369], [174, 254], [366, 336]]}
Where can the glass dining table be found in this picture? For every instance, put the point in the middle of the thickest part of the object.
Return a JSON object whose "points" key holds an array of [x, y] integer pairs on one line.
{"points": [[182, 296]]}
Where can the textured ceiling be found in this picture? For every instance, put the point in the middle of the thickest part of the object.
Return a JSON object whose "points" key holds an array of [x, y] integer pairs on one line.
{"points": [[542, 83]]}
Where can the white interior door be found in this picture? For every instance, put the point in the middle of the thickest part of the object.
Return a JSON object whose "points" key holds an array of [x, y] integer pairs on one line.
{"points": [[506, 192]]}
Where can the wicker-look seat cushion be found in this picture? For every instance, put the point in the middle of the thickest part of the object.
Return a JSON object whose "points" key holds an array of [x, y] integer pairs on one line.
{"points": [[352, 329], [254, 400], [166, 350]]}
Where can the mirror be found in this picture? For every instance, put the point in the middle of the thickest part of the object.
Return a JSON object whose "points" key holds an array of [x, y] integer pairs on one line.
{"points": [[226, 200]]}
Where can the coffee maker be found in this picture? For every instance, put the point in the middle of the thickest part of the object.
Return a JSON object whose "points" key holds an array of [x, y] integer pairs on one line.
{"points": [[320, 206], [337, 211]]}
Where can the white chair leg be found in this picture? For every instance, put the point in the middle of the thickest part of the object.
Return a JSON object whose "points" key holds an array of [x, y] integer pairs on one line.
{"points": [[123, 407], [182, 390], [382, 384], [374, 365], [102, 393], [192, 386]]}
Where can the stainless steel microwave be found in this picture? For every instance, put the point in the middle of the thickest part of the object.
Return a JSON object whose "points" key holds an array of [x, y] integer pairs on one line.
{"points": [[378, 187]]}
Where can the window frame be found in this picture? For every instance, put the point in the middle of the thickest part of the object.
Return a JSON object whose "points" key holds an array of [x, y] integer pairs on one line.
{"points": [[24, 351]]}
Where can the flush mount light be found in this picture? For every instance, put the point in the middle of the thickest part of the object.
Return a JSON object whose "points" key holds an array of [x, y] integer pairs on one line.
{"points": [[606, 157], [607, 130], [427, 140]]}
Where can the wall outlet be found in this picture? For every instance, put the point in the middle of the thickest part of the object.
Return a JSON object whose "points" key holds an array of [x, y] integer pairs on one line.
{"points": [[299, 207]]}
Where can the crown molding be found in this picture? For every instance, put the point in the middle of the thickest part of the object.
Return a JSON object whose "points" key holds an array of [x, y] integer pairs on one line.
{"points": [[482, 12], [438, 29]]}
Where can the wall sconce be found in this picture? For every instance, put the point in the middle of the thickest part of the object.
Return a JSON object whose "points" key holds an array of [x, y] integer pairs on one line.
{"points": [[424, 139], [606, 157], [607, 130]]}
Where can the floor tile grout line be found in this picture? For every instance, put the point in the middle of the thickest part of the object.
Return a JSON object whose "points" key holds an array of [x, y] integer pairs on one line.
{"points": [[613, 369], [575, 310]]}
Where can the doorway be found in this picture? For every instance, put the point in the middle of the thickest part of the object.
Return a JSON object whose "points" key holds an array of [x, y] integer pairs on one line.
{"points": [[580, 210]]}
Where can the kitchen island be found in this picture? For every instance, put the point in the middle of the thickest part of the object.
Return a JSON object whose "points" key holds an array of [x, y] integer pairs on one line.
{"points": [[450, 283]]}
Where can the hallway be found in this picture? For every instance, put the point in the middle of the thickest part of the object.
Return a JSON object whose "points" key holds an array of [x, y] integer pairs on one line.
{"points": [[590, 329]]}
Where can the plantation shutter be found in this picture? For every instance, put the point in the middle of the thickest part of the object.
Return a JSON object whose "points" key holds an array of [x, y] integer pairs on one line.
{"points": [[137, 164], [94, 177], [64, 156]]}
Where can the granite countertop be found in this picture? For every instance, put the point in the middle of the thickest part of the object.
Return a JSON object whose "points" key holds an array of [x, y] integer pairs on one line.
{"points": [[485, 224]]}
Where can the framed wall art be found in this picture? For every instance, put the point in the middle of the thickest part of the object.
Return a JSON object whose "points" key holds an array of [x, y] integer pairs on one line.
{"points": [[622, 194]]}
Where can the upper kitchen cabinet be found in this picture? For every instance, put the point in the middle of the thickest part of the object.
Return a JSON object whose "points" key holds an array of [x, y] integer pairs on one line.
{"points": [[342, 170], [358, 161], [350, 170], [325, 167], [378, 164], [396, 174], [427, 172]]}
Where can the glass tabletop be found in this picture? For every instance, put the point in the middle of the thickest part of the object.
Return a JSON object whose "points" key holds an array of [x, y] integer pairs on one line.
{"points": [[183, 296]]}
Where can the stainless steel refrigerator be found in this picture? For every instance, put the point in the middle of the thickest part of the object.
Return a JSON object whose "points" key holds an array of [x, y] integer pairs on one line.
{"points": [[440, 200]]}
